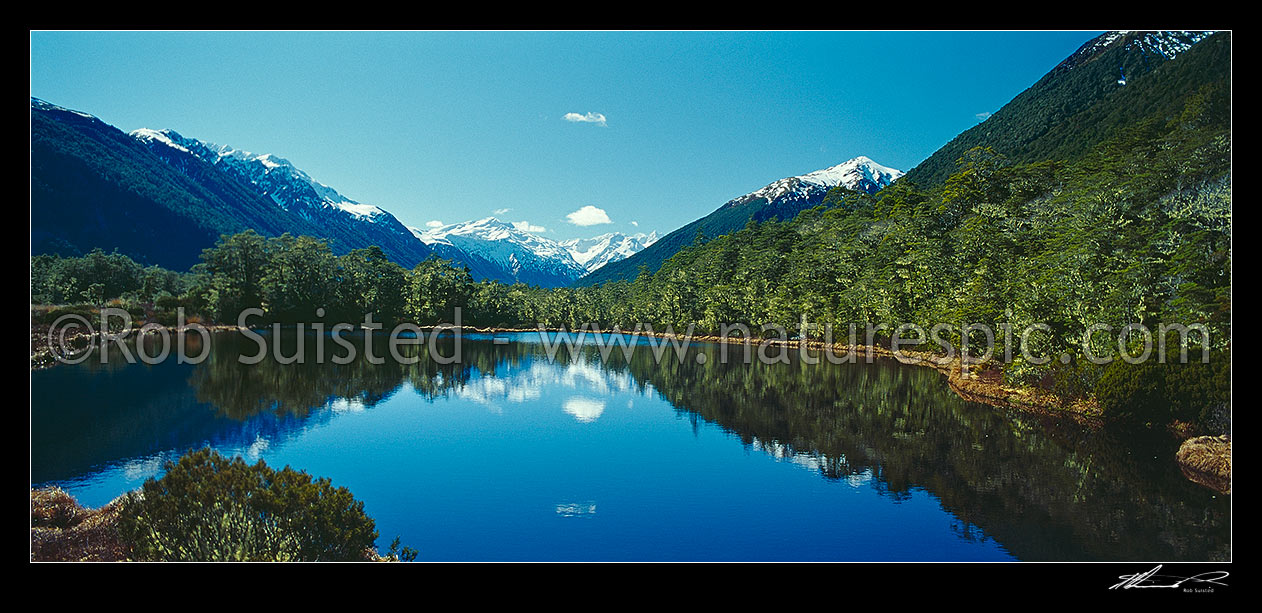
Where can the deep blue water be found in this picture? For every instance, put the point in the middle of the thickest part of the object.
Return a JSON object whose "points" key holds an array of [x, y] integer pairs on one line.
{"points": [[512, 456]]}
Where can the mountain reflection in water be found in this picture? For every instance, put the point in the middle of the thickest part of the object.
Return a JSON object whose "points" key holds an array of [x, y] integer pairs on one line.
{"points": [[1020, 485]]}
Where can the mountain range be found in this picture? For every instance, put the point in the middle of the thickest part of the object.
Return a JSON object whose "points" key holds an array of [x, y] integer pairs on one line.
{"points": [[592, 253], [161, 197], [500, 251]]}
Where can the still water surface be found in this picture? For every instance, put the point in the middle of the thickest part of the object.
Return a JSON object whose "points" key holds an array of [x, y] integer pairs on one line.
{"points": [[510, 455]]}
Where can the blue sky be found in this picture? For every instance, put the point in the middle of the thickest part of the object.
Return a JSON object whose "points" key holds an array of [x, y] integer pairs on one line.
{"points": [[453, 126]]}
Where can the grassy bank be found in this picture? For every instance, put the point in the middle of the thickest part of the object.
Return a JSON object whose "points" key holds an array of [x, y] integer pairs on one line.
{"points": [[64, 531]]}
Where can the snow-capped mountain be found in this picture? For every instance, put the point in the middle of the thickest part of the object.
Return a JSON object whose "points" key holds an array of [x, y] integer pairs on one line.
{"points": [[491, 248], [349, 223], [592, 253], [498, 250], [287, 186], [1084, 99], [859, 174], [782, 199]]}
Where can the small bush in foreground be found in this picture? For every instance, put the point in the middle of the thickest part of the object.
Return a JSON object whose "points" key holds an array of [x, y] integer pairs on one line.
{"points": [[209, 507]]}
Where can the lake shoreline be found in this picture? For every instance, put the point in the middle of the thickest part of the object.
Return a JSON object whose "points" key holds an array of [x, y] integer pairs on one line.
{"points": [[976, 381], [42, 355]]}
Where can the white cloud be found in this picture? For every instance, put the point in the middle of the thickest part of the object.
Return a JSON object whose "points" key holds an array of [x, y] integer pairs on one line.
{"points": [[635, 223], [982, 116], [596, 118], [589, 216], [525, 226], [585, 410], [501, 211], [433, 223]]}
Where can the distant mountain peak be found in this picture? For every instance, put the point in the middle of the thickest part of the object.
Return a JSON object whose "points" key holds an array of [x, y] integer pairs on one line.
{"points": [[859, 173], [594, 252], [855, 174], [499, 250], [502, 251], [488, 228]]}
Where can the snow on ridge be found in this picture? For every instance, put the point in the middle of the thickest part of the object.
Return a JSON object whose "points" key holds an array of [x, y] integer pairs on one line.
{"points": [[268, 167], [860, 173], [45, 105], [424, 236], [594, 252], [272, 163], [162, 136], [850, 172], [501, 242], [1093, 46], [1167, 43], [363, 211]]}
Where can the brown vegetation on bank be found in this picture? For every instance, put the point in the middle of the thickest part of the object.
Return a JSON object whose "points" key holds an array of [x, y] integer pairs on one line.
{"points": [[64, 531], [1207, 461]]}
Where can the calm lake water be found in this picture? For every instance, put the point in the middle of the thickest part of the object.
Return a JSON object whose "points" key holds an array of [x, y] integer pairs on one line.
{"points": [[512, 456]]}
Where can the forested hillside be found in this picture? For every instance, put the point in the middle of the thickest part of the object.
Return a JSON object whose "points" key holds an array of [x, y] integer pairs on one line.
{"points": [[93, 186], [782, 199], [1114, 81], [96, 187]]}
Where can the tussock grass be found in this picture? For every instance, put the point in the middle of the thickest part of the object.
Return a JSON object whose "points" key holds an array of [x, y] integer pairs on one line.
{"points": [[1207, 460], [64, 531]]}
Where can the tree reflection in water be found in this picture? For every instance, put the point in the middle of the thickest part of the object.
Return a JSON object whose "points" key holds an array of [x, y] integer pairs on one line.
{"points": [[1044, 490]]}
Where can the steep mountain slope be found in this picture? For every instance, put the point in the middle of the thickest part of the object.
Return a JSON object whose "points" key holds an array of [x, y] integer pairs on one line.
{"points": [[161, 198], [1080, 102], [348, 224], [94, 186], [782, 199]]}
